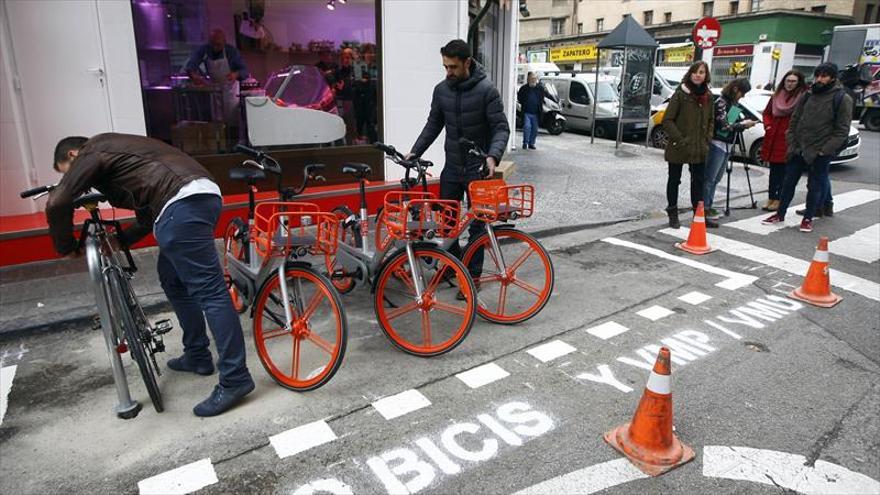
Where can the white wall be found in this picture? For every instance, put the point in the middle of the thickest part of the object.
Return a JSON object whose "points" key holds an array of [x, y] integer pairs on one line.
{"points": [[763, 63]]}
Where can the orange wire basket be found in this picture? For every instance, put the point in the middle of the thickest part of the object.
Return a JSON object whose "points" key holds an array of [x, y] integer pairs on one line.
{"points": [[284, 227], [415, 214], [493, 200]]}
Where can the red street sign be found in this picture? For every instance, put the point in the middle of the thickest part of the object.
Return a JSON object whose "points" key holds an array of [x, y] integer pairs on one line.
{"points": [[733, 50], [707, 32]]}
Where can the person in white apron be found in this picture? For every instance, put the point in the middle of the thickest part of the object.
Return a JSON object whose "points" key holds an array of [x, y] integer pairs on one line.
{"points": [[223, 64]]}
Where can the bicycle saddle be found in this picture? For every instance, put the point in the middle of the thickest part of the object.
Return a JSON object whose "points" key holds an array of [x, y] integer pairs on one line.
{"points": [[88, 198], [356, 169], [246, 174]]}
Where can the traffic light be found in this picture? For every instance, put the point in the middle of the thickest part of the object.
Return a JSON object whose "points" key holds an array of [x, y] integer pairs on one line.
{"points": [[523, 9], [737, 68], [776, 53]]}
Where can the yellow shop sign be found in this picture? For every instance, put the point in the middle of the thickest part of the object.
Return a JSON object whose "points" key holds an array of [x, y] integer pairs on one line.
{"points": [[575, 53]]}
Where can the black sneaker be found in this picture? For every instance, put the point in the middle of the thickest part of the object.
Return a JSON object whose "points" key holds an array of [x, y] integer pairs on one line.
{"points": [[827, 210], [819, 213], [183, 363], [532, 147], [222, 399]]}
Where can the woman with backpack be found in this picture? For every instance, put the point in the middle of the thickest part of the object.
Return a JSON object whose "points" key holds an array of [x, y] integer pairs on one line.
{"points": [[689, 123], [777, 116]]}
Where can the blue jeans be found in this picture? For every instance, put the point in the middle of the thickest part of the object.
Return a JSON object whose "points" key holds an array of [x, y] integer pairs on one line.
{"points": [[192, 278], [530, 129], [715, 166], [818, 184]]}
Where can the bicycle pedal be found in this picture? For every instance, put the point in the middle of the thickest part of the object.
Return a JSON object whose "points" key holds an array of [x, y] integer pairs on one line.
{"points": [[162, 327]]}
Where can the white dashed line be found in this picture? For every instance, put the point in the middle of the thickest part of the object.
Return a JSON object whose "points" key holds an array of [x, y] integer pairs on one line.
{"points": [[695, 298], [607, 330], [403, 403], [655, 313], [302, 438], [551, 350], [482, 375], [185, 479], [7, 373]]}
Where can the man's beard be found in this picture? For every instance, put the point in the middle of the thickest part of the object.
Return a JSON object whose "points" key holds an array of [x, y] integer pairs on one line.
{"points": [[821, 88]]}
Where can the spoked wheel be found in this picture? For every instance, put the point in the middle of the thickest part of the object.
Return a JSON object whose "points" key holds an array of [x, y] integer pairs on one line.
{"points": [[137, 334], [350, 234], [438, 321], [307, 355], [233, 247], [523, 289]]}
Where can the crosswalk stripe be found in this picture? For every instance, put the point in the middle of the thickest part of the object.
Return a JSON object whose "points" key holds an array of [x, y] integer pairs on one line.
{"points": [[482, 375], [550, 351], [655, 313], [695, 298], [607, 330], [863, 245], [842, 202], [783, 262]]}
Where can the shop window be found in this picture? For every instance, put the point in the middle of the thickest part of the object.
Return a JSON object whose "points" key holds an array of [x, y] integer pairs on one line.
{"points": [[707, 9], [818, 9], [557, 26], [580, 28], [723, 69], [648, 17], [755, 5], [734, 8], [667, 17], [600, 24], [211, 70]]}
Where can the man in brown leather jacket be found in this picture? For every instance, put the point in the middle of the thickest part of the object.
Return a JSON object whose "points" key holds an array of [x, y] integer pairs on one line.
{"points": [[176, 197]]}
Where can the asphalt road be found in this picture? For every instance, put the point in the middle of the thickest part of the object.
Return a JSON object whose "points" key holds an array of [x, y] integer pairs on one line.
{"points": [[866, 169]]}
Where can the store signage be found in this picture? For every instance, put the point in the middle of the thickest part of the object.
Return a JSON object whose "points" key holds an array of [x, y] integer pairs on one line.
{"points": [[733, 50], [679, 54], [707, 32], [575, 53], [538, 57]]}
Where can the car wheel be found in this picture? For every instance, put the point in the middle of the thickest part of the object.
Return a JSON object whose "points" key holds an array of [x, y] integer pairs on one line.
{"points": [[872, 120], [601, 130], [659, 138], [755, 151]]}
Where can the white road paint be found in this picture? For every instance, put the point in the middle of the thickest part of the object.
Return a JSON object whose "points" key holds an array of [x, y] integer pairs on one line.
{"points": [[589, 479], [695, 298], [607, 377], [784, 470], [842, 202], [784, 262], [400, 404], [863, 245], [482, 375], [655, 313], [7, 374], [185, 479], [733, 280], [551, 350], [302, 438], [607, 330], [323, 487]]}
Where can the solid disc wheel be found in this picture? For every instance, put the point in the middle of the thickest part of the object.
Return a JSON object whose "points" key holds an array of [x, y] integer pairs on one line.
{"points": [[306, 355], [349, 234], [438, 321], [233, 247], [522, 290]]}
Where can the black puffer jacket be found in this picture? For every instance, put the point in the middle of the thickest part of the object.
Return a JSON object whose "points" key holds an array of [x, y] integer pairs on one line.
{"points": [[472, 109]]}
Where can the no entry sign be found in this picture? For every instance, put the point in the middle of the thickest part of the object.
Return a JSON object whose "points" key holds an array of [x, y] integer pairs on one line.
{"points": [[707, 32]]}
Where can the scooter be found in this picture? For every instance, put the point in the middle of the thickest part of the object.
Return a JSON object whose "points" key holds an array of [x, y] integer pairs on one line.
{"points": [[552, 119]]}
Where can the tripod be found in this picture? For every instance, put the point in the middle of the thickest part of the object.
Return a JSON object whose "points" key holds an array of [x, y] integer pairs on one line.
{"points": [[738, 144]]}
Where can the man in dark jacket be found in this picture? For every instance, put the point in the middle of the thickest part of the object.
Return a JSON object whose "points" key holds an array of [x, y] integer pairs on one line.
{"points": [[531, 98], [818, 129], [468, 106], [176, 197]]}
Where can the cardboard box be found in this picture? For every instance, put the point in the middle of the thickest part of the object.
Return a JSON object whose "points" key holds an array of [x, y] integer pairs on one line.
{"points": [[504, 170], [199, 138]]}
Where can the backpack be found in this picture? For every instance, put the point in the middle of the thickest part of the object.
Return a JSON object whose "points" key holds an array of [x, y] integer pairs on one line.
{"points": [[838, 98]]}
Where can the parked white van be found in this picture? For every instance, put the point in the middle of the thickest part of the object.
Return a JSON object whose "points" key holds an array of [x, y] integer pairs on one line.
{"points": [[577, 93], [539, 69]]}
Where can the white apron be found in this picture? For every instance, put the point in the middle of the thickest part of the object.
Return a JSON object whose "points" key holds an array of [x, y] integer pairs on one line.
{"points": [[218, 69]]}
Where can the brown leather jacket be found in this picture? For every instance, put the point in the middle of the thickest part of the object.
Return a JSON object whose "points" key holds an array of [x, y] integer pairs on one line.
{"points": [[134, 172]]}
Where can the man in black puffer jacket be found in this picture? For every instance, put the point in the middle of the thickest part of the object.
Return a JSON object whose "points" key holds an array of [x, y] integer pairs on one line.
{"points": [[469, 106]]}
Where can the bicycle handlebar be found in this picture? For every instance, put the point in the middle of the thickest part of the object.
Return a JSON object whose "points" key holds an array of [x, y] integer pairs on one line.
{"points": [[37, 190], [475, 151]]}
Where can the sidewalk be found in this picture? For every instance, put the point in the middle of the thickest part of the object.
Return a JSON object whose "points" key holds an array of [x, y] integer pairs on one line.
{"points": [[577, 186]]}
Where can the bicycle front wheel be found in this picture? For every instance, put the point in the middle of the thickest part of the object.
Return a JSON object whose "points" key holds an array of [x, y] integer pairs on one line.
{"points": [[523, 287], [305, 355], [136, 332], [438, 321]]}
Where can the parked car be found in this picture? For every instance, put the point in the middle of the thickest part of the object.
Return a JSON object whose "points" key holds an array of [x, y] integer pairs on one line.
{"points": [[577, 92], [753, 104]]}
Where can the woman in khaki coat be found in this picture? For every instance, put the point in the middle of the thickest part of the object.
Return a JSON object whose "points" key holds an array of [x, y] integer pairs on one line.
{"points": [[689, 122]]}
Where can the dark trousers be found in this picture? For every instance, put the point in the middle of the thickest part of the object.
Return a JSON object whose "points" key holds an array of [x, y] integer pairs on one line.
{"points": [[192, 278], [818, 184], [697, 171], [777, 177], [456, 188]]}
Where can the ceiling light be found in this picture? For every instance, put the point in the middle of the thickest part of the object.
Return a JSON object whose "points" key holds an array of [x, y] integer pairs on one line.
{"points": [[342, 2], [331, 5]]}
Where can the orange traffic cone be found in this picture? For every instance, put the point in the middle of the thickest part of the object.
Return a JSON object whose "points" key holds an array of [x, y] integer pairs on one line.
{"points": [[648, 442], [696, 243], [816, 289]]}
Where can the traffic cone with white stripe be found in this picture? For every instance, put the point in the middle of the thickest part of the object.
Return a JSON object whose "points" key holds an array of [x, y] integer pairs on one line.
{"points": [[696, 243], [816, 289], [648, 441]]}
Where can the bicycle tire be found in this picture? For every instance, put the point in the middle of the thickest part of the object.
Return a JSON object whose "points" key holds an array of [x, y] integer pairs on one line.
{"points": [[261, 335], [394, 269], [504, 234], [349, 233], [233, 246], [120, 295]]}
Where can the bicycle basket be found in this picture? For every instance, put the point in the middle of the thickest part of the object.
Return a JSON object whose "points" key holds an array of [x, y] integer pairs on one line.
{"points": [[493, 200], [284, 227], [411, 214]]}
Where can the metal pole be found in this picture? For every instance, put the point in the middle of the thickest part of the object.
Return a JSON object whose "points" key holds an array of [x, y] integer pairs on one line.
{"points": [[596, 88], [623, 91]]}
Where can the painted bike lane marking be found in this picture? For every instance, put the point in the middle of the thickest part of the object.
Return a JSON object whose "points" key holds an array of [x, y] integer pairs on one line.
{"points": [[842, 202], [784, 262], [400, 404], [302, 438], [185, 479], [862, 245], [7, 374]]}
